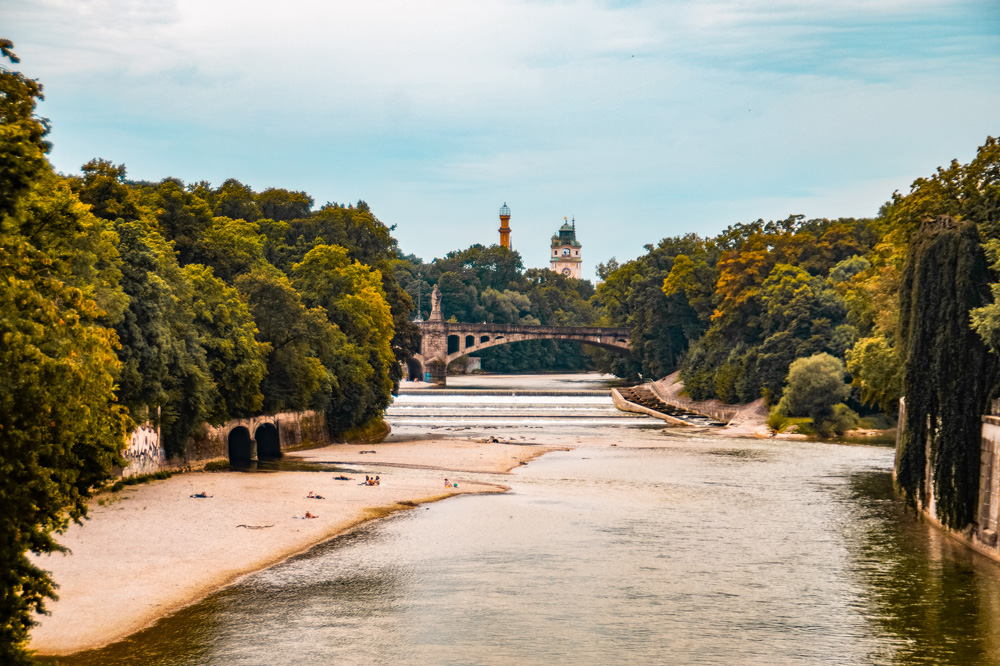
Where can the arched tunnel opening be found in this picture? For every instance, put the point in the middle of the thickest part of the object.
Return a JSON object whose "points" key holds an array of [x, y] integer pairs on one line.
{"points": [[268, 441], [414, 371], [240, 446]]}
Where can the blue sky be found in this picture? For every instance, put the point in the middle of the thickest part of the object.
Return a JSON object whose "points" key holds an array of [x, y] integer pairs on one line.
{"points": [[641, 119]]}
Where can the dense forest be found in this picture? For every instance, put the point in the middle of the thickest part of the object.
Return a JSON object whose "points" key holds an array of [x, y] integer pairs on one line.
{"points": [[179, 304]]}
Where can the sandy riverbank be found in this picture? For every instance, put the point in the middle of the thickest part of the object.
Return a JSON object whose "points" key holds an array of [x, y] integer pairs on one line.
{"points": [[152, 549]]}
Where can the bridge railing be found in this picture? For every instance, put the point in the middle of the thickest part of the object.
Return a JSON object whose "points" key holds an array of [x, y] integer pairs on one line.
{"points": [[531, 329]]}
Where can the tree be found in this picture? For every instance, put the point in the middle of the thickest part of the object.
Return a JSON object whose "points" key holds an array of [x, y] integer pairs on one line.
{"points": [[816, 386], [235, 200], [184, 218], [296, 378], [164, 371], [103, 186], [232, 247], [227, 332], [948, 372], [60, 429], [284, 205], [352, 296]]}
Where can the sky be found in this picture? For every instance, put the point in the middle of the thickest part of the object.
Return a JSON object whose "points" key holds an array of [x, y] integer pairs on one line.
{"points": [[642, 120]]}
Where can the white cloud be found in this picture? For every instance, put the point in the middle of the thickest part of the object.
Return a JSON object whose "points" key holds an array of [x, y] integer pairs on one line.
{"points": [[646, 117]]}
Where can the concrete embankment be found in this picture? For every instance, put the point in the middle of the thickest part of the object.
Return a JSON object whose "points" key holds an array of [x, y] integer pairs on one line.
{"points": [[626, 400], [749, 420]]}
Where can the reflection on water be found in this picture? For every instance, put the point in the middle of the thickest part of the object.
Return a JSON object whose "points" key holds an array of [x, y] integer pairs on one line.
{"points": [[667, 549], [938, 598]]}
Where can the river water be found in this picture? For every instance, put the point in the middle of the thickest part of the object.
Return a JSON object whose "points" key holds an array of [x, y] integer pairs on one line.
{"points": [[668, 548]]}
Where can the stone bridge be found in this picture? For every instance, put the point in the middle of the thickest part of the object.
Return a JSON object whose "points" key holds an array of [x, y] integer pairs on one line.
{"points": [[442, 342]]}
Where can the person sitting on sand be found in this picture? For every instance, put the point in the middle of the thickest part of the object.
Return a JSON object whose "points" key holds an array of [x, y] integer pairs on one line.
{"points": [[310, 495], [447, 483], [377, 482], [309, 515]]}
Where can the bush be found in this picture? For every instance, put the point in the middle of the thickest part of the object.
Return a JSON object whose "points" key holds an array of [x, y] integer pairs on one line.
{"points": [[844, 418], [813, 387]]}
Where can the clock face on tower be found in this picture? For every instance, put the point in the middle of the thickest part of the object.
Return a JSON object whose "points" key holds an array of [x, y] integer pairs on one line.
{"points": [[565, 271]]}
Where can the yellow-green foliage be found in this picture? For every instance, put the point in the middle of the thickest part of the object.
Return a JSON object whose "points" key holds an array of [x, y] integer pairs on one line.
{"points": [[60, 429]]}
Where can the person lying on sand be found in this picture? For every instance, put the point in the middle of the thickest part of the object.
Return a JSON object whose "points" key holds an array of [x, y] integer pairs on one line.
{"points": [[313, 496], [308, 515], [202, 494], [342, 478]]}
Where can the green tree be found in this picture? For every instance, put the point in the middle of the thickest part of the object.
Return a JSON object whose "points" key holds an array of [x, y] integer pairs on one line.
{"points": [[352, 296], [103, 187], [948, 372], [369, 242], [60, 429], [232, 247], [184, 219], [235, 200], [227, 332], [284, 205], [816, 388], [296, 378], [164, 371]]}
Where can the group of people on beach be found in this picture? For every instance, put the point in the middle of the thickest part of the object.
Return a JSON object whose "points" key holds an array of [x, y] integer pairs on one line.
{"points": [[372, 482]]}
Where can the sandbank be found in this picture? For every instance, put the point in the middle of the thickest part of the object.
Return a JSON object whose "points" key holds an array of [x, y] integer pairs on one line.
{"points": [[151, 549]]}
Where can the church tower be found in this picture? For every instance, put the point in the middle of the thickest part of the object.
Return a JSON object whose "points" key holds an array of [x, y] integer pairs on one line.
{"points": [[565, 257], [505, 226]]}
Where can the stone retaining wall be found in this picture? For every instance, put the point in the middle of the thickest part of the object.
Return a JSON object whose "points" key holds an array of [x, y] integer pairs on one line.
{"points": [[295, 430], [981, 535]]}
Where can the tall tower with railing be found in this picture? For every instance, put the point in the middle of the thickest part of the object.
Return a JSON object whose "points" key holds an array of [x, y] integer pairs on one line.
{"points": [[505, 226]]}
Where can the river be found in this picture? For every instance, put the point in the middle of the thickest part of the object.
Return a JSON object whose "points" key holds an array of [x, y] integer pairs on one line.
{"points": [[668, 548]]}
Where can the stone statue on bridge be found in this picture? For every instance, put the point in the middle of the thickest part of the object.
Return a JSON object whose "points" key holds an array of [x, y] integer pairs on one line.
{"points": [[436, 305]]}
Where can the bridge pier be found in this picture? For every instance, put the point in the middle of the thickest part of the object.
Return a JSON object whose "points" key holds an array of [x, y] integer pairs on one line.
{"points": [[437, 372]]}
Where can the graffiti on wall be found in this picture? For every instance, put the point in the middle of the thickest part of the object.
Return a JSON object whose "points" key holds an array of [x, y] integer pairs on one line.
{"points": [[143, 453]]}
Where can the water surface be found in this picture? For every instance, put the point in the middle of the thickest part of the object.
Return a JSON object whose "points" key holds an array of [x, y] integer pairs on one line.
{"points": [[665, 549]]}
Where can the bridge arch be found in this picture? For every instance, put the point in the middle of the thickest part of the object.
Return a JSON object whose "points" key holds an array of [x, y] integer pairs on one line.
{"points": [[414, 369], [617, 344], [268, 441], [240, 446]]}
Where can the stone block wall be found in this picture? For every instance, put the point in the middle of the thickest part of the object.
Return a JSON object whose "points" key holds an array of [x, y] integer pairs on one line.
{"points": [[981, 535], [989, 481], [296, 430]]}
